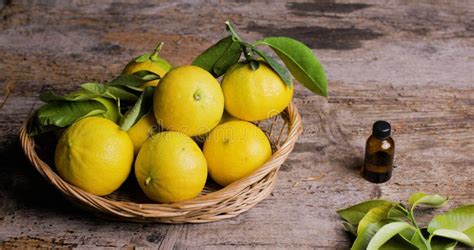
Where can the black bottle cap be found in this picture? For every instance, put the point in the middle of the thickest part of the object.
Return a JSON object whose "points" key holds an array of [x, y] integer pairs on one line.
{"points": [[381, 130]]}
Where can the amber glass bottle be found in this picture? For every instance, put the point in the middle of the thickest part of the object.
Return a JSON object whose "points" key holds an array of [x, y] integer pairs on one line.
{"points": [[379, 152]]}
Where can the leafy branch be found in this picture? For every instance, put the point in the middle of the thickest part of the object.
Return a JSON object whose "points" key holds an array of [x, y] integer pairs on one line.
{"points": [[381, 224], [93, 99], [299, 60]]}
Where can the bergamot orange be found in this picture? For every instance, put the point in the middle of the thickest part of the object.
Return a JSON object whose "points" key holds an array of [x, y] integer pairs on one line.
{"points": [[188, 100], [170, 167], [254, 95], [95, 155], [235, 149], [151, 62], [142, 130]]}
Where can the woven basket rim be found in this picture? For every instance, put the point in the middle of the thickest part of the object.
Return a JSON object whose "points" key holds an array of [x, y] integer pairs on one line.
{"points": [[128, 209]]}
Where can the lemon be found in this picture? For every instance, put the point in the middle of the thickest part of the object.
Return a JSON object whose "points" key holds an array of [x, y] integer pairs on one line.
{"points": [[112, 112], [235, 149], [95, 155], [170, 167], [188, 100], [151, 62], [142, 130], [254, 95]]}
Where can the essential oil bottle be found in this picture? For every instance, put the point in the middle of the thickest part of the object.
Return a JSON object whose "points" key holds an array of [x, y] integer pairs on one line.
{"points": [[379, 152]]}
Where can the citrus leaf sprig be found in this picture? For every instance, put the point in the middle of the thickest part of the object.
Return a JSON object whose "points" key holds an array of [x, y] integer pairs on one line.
{"points": [[139, 109], [299, 60], [380, 224], [62, 111]]}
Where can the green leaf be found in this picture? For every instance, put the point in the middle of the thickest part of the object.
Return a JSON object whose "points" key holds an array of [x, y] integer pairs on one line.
{"points": [[136, 79], [60, 114], [415, 237], [123, 93], [441, 243], [459, 219], [140, 108], [231, 57], [398, 242], [98, 89], [364, 237], [455, 235], [385, 233], [219, 57], [379, 213], [143, 58], [301, 62], [276, 66], [420, 198], [79, 95], [356, 212]]}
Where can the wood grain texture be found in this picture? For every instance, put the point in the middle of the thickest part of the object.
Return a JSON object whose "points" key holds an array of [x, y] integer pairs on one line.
{"points": [[409, 62]]}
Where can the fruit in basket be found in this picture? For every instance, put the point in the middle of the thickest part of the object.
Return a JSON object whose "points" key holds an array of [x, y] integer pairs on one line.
{"points": [[235, 149], [254, 95], [112, 112], [170, 167], [95, 155], [142, 130], [188, 100], [151, 62]]}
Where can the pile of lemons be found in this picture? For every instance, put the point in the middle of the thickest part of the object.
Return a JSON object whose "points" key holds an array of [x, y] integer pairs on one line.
{"points": [[96, 155]]}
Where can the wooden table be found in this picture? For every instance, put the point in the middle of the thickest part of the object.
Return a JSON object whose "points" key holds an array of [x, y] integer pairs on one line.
{"points": [[409, 62]]}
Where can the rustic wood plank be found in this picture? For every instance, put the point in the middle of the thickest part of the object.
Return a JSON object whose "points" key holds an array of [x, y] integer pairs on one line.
{"points": [[405, 61]]}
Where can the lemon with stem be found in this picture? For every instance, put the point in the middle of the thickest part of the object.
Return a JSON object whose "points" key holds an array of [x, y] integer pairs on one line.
{"points": [[95, 155], [151, 62]]}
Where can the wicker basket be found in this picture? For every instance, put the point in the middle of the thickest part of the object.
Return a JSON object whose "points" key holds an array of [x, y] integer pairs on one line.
{"points": [[215, 203]]}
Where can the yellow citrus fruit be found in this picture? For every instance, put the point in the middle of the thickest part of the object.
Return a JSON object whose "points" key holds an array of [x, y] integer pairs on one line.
{"points": [[170, 167], [112, 112], [254, 95], [151, 62], [142, 130], [95, 155], [188, 100], [235, 149]]}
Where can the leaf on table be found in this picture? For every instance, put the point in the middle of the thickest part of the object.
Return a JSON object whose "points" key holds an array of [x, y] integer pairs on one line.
{"points": [[139, 109], [459, 220], [455, 235], [276, 66], [427, 200], [414, 237], [356, 212], [219, 57], [376, 214], [363, 238], [385, 233], [398, 242], [301, 62]]}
